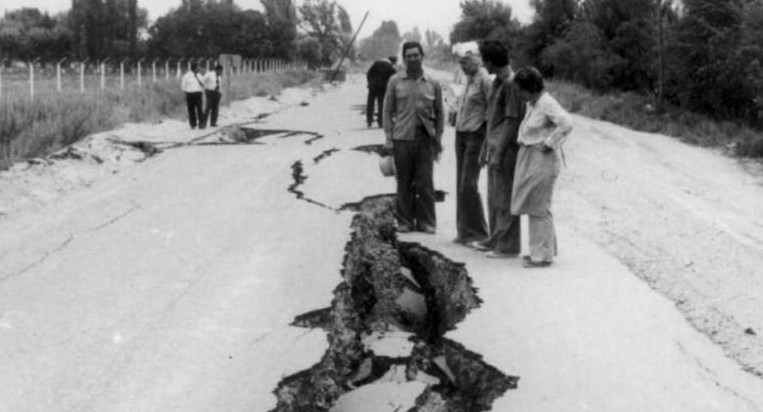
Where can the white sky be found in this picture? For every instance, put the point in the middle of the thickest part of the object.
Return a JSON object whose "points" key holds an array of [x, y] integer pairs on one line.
{"points": [[439, 15]]}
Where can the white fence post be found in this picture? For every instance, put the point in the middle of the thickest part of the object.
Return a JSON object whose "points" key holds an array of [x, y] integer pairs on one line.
{"points": [[31, 79], [2, 66], [167, 69], [180, 61], [153, 70], [58, 74], [122, 74], [140, 69], [82, 76], [103, 73]]}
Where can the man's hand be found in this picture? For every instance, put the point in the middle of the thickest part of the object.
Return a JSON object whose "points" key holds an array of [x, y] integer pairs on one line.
{"points": [[494, 162], [483, 156], [387, 149], [437, 147]]}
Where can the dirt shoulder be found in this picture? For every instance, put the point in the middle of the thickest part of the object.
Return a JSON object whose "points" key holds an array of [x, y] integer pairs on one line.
{"points": [[686, 220]]}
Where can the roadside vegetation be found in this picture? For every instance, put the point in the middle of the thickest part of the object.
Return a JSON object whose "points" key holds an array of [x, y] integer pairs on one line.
{"points": [[638, 112], [34, 128]]}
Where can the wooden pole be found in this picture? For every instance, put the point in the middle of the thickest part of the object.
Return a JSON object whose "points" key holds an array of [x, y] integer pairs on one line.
{"points": [[349, 46]]}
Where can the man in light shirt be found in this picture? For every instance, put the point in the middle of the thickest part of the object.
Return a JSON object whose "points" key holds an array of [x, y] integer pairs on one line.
{"points": [[470, 135], [413, 124], [193, 87], [212, 83]]}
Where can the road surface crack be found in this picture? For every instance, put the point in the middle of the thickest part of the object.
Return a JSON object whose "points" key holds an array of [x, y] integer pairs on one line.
{"points": [[41, 260]]}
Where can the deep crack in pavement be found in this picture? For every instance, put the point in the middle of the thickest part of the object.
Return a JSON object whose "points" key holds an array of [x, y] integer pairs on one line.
{"points": [[387, 323]]}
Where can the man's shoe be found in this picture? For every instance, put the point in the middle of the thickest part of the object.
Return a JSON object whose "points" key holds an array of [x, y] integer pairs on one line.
{"points": [[404, 229], [532, 264], [428, 230], [479, 245], [500, 255], [461, 241]]}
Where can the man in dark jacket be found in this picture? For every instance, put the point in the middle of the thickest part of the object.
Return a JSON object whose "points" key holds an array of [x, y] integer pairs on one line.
{"points": [[378, 76]]}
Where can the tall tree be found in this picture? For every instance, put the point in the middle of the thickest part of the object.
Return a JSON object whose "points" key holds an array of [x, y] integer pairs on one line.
{"points": [[552, 19], [488, 19], [282, 21], [383, 42], [328, 22]]}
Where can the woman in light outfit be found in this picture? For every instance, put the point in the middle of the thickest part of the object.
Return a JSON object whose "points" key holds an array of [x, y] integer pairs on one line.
{"points": [[544, 128]]}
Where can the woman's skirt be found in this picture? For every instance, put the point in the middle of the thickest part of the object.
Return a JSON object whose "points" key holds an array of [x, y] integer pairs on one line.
{"points": [[534, 179]]}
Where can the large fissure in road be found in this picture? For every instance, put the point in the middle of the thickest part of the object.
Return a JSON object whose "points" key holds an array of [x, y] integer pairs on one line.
{"points": [[386, 328]]}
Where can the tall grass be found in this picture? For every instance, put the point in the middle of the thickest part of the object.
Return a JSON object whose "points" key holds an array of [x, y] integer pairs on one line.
{"points": [[50, 122], [636, 112]]}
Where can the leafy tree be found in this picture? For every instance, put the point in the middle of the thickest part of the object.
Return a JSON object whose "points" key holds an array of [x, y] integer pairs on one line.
{"points": [[28, 34], [490, 19], [103, 28], [282, 21], [329, 23], [383, 42], [309, 50], [209, 29], [709, 74], [435, 46], [552, 19], [413, 35]]}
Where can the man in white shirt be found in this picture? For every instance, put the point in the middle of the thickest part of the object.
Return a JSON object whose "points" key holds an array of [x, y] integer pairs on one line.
{"points": [[193, 87], [212, 83]]}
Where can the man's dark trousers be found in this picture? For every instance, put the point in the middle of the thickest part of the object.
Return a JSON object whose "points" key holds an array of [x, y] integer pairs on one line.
{"points": [[504, 227], [470, 217], [414, 165], [213, 107], [195, 113], [375, 93]]}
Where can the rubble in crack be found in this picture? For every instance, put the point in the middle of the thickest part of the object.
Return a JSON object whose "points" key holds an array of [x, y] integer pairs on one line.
{"points": [[385, 330]]}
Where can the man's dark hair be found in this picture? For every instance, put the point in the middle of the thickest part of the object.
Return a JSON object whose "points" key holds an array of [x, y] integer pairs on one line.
{"points": [[194, 67], [219, 67], [529, 79], [494, 52], [392, 59], [411, 44]]}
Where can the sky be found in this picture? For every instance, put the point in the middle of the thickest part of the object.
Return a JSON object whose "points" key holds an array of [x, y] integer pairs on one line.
{"points": [[438, 15]]}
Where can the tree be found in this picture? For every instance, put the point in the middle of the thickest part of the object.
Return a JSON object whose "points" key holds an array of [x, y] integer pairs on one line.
{"points": [[27, 34], [710, 72], [552, 19], [104, 28], [200, 30], [435, 46], [282, 21], [490, 19], [329, 23], [383, 42], [413, 35]]}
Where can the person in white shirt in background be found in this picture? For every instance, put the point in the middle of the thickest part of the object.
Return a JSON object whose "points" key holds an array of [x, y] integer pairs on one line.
{"points": [[194, 89], [470, 122], [212, 85], [544, 128]]}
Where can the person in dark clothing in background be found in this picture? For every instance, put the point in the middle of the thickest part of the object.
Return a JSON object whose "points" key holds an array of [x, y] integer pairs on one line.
{"points": [[378, 76]]}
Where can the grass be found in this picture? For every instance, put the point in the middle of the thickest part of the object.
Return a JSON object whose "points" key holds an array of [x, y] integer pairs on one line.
{"points": [[35, 128], [635, 112]]}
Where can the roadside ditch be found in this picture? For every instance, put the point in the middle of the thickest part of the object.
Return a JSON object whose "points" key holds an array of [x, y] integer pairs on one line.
{"points": [[386, 327]]}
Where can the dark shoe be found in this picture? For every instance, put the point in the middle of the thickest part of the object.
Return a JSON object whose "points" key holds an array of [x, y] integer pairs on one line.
{"points": [[500, 255], [532, 264], [404, 229], [461, 241], [480, 245], [431, 230]]}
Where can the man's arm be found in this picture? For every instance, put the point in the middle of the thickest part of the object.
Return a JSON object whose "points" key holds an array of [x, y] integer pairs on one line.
{"points": [[439, 113], [512, 119]]}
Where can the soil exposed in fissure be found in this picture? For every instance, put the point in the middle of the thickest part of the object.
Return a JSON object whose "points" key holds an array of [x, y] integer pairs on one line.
{"points": [[386, 325]]}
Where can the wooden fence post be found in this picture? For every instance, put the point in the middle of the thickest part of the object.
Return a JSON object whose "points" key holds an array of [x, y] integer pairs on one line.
{"points": [[82, 76]]}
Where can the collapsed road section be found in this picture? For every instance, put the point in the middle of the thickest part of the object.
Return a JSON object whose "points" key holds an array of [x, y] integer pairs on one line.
{"points": [[386, 328]]}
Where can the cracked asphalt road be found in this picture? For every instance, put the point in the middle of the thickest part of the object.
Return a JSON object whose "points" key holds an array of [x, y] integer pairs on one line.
{"points": [[170, 285]]}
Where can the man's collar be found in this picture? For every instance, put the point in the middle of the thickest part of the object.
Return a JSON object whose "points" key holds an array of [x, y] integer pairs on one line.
{"points": [[422, 77], [504, 74]]}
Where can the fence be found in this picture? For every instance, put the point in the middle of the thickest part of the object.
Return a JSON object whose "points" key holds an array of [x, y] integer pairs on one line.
{"points": [[34, 78]]}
